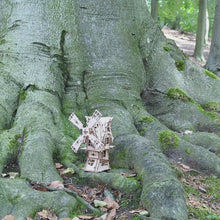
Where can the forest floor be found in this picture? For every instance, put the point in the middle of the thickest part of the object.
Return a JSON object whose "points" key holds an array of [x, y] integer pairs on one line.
{"points": [[186, 42]]}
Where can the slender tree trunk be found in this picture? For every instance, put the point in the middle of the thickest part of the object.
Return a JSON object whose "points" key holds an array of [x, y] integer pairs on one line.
{"points": [[154, 9], [207, 27], [213, 62], [201, 28]]}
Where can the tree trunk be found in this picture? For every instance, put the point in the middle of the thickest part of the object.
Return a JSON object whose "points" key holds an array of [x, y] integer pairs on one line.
{"points": [[201, 28], [207, 27], [78, 56], [213, 62], [154, 9]]}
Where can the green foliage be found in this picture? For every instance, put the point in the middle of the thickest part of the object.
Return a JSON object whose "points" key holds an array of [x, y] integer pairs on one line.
{"points": [[187, 150], [166, 48], [180, 15], [179, 94], [146, 119], [23, 95], [142, 132], [2, 41], [210, 74], [168, 139], [207, 113], [212, 107], [180, 65]]}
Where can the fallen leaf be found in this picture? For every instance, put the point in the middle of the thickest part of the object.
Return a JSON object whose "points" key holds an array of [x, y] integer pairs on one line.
{"points": [[58, 165], [4, 175], [112, 214], [56, 184], [184, 167], [43, 213], [128, 174], [75, 218], [67, 171], [202, 189], [9, 217], [111, 204], [144, 212], [99, 203], [85, 217], [65, 219], [13, 175], [47, 215], [29, 218], [136, 211], [103, 217]]}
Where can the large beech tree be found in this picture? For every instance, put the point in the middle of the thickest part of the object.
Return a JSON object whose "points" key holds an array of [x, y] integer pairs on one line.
{"points": [[58, 57]]}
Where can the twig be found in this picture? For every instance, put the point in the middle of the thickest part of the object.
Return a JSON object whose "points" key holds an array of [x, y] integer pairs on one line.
{"points": [[72, 193]]}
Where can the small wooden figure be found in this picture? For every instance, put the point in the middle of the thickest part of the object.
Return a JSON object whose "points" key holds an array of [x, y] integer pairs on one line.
{"points": [[97, 136]]}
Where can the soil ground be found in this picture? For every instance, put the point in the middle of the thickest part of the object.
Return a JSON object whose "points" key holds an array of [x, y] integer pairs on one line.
{"points": [[186, 42]]}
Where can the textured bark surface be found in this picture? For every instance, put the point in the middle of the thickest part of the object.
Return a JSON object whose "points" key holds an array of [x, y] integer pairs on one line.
{"points": [[201, 30], [154, 9], [81, 55], [213, 62]]}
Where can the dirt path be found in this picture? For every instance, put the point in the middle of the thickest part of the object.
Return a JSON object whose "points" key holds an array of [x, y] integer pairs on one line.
{"points": [[186, 42]]}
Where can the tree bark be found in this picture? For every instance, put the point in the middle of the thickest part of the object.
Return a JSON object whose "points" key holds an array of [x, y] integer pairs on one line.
{"points": [[207, 27], [77, 56], [201, 28], [213, 62], [154, 9]]}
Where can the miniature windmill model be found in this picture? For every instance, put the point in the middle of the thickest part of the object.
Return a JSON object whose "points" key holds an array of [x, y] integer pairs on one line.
{"points": [[97, 136]]}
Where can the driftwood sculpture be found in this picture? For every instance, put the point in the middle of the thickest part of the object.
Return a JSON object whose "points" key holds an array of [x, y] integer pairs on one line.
{"points": [[97, 136]]}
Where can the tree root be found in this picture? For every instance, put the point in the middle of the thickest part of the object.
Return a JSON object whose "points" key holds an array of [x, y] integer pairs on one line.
{"points": [[72, 193], [18, 199]]}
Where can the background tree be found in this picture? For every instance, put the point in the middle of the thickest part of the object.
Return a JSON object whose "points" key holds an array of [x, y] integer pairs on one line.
{"points": [[154, 9], [207, 27], [179, 15], [201, 30], [213, 62], [59, 57]]}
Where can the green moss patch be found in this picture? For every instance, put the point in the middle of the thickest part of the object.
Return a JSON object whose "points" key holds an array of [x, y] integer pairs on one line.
{"points": [[2, 41], [210, 114], [23, 94], [179, 94], [187, 150], [180, 65], [168, 139], [210, 74], [166, 48], [212, 107], [146, 119], [142, 132]]}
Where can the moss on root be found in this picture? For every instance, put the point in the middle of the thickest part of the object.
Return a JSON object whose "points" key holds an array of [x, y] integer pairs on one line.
{"points": [[212, 107], [210, 74], [166, 48], [179, 94], [180, 65], [210, 114], [146, 119], [168, 140]]}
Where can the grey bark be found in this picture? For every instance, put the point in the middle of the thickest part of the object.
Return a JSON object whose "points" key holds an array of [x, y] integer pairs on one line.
{"points": [[77, 56], [200, 33], [213, 62], [207, 27], [154, 9]]}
